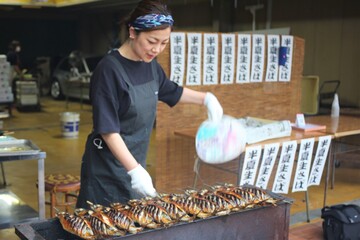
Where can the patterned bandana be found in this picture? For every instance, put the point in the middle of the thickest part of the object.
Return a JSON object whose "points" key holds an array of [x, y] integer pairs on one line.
{"points": [[151, 20]]}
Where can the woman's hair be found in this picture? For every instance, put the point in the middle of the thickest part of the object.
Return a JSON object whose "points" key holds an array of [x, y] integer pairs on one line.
{"points": [[148, 8]]}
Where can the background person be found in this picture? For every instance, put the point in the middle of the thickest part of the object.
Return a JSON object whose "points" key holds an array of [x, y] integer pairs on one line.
{"points": [[13, 57], [124, 90]]}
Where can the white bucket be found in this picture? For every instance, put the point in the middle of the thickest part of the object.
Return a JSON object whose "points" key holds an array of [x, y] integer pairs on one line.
{"points": [[70, 124]]}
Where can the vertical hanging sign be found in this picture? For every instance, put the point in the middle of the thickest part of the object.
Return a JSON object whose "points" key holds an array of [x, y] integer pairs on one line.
{"points": [[227, 58], [243, 58], [267, 164], [177, 51], [273, 44], [285, 58], [258, 55], [251, 162], [319, 160], [303, 165], [210, 61], [194, 43], [284, 170]]}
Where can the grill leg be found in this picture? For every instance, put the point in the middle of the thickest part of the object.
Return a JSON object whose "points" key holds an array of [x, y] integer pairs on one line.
{"points": [[307, 206], [3, 175]]}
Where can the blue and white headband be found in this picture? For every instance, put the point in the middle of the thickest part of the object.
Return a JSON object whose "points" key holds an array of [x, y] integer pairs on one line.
{"points": [[151, 21]]}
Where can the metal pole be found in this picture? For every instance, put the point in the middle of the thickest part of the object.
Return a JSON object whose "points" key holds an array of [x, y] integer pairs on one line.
{"points": [[268, 14], [41, 188], [307, 206], [3, 174], [328, 164]]}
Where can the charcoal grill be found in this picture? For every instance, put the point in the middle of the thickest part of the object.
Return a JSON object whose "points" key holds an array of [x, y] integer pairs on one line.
{"points": [[266, 222]]}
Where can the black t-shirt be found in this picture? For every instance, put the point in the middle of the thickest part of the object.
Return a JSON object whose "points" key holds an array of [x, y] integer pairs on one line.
{"points": [[13, 58], [109, 91]]}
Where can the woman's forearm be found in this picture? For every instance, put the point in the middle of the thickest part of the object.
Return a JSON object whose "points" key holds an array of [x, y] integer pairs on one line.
{"points": [[191, 96], [118, 148]]}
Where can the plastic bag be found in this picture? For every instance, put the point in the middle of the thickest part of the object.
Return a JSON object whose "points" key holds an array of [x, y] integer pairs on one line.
{"points": [[220, 142]]}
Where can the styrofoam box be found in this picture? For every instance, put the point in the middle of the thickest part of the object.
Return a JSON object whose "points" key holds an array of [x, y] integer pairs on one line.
{"points": [[4, 65], [4, 71], [7, 97], [25, 87], [4, 78], [4, 84], [3, 58], [5, 90], [29, 100]]}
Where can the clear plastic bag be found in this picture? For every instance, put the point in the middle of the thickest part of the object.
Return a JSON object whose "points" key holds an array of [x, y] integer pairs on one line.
{"points": [[220, 142]]}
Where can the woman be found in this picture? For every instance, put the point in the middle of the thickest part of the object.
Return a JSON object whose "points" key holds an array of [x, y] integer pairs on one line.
{"points": [[125, 88]]}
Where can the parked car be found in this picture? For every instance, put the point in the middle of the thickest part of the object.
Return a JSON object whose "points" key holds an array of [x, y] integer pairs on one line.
{"points": [[71, 76]]}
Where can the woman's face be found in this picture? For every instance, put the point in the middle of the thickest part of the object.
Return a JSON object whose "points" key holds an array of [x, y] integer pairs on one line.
{"points": [[147, 45]]}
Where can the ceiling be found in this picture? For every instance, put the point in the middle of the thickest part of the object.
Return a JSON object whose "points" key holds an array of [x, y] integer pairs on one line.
{"points": [[71, 8], [82, 5], [19, 7], [55, 3]]}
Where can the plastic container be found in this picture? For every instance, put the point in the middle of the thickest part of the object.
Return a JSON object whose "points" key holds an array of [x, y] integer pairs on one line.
{"points": [[70, 124], [335, 107]]}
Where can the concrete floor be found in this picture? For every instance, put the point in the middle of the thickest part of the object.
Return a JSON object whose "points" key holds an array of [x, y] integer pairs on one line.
{"points": [[64, 156]]}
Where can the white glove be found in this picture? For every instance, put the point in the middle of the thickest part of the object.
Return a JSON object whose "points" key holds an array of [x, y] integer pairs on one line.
{"points": [[141, 182], [215, 111]]}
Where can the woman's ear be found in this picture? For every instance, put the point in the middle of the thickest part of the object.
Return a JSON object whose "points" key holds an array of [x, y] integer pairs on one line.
{"points": [[132, 33]]}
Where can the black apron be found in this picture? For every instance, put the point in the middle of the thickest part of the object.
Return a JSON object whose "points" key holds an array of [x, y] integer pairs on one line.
{"points": [[103, 178]]}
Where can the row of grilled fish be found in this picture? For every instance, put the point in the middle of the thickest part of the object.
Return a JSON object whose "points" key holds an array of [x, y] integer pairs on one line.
{"points": [[119, 219]]}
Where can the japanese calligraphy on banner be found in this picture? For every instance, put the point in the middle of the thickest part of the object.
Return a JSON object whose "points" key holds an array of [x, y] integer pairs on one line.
{"points": [[243, 58], [273, 44], [258, 56], [210, 59], [285, 166], [251, 162], [285, 69], [194, 43], [303, 165], [319, 160], [177, 48], [227, 58], [267, 164]]}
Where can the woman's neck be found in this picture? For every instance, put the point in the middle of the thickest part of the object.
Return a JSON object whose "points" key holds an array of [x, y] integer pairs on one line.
{"points": [[126, 51]]}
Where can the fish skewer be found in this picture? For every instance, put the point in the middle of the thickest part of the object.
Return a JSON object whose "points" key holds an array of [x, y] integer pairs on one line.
{"points": [[137, 213], [207, 207], [184, 202], [175, 211], [156, 211], [118, 218], [99, 222], [76, 225], [223, 205]]}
